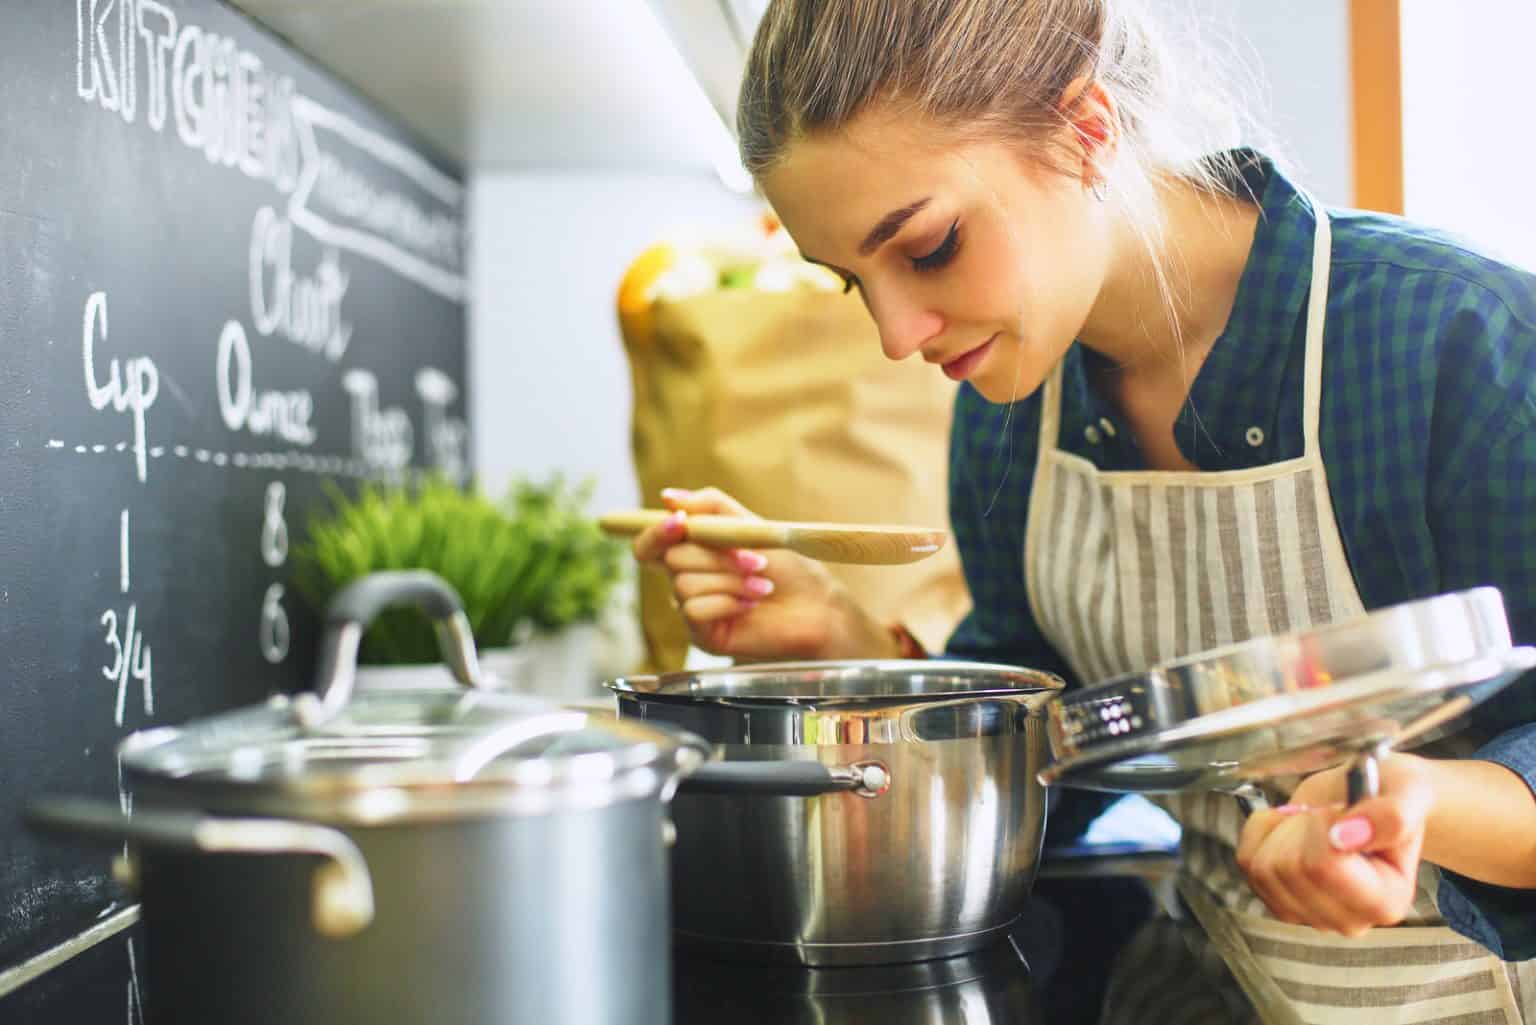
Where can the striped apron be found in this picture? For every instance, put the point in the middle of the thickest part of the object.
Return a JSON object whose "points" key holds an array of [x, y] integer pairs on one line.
{"points": [[1126, 569]]}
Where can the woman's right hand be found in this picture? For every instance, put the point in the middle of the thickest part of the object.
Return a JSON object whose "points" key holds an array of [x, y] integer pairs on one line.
{"points": [[756, 605]]}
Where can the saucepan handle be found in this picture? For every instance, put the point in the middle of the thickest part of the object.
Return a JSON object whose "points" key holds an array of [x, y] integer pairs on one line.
{"points": [[787, 779], [1362, 780], [342, 901]]}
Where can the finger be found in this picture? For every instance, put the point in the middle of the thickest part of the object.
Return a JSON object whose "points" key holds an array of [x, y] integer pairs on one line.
{"points": [[692, 558], [1258, 829], [1335, 891], [1378, 883], [1322, 788], [1366, 891], [714, 607], [705, 500], [1264, 876], [1382, 823], [697, 585], [652, 543]]}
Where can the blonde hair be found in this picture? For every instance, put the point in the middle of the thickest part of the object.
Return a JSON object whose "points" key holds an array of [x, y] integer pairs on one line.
{"points": [[1000, 68]]}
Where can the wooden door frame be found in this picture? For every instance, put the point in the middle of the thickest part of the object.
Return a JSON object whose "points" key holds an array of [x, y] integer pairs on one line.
{"points": [[1376, 71]]}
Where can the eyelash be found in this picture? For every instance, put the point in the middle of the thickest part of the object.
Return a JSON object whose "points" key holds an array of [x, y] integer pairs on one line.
{"points": [[943, 254], [935, 260]]}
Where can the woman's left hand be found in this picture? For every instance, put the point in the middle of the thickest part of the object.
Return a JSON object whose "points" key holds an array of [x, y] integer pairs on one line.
{"points": [[1345, 870]]}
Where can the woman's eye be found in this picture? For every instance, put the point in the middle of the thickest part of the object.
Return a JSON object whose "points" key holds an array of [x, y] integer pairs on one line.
{"points": [[941, 255]]}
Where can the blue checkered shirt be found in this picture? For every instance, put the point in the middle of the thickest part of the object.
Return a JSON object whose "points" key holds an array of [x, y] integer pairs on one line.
{"points": [[1428, 437]]}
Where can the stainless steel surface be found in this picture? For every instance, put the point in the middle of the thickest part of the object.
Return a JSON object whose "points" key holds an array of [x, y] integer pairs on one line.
{"points": [[939, 864], [1291, 704]]}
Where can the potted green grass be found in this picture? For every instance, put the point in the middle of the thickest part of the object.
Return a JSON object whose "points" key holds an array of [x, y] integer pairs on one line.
{"points": [[533, 569]]}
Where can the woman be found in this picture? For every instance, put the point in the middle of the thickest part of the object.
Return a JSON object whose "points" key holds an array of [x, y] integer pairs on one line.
{"points": [[1196, 408]]}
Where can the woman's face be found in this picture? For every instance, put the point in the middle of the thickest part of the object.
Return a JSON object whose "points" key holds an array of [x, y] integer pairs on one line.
{"points": [[984, 262]]}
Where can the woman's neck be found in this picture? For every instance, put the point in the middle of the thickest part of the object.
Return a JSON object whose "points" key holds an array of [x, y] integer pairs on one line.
{"points": [[1206, 239], [1155, 357]]}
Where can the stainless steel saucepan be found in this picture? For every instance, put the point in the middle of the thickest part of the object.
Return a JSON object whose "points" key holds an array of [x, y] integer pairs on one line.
{"points": [[858, 812]]}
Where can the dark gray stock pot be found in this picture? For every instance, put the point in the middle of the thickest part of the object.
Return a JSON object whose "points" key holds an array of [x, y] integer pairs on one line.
{"points": [[442, 855]]}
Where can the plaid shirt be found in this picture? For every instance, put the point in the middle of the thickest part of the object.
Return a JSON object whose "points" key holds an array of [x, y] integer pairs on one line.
{"points": [[1428, 436]]}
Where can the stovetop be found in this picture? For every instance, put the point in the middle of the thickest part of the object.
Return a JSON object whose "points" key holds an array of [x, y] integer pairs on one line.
{"points": [[1053, 967], [990, 986]]}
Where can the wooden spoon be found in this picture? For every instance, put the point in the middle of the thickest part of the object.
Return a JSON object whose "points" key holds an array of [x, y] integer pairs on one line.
{"points": [[828, 542]]}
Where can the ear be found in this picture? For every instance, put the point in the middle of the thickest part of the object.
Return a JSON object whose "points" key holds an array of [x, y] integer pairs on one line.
{"points": [[1094, 119]]}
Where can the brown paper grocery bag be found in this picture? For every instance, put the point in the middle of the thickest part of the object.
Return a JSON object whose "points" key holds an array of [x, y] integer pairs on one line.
{"points": [[785, 401]]}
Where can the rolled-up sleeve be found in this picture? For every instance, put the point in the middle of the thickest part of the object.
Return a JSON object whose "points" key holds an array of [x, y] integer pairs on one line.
{"points": [[1500, 918]]}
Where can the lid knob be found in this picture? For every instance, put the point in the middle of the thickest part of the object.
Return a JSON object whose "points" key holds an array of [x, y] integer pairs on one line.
{"points": [[349, 614]]}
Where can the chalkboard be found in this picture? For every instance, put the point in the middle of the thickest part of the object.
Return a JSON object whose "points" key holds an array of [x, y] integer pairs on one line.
{"points": [[224, 280]]}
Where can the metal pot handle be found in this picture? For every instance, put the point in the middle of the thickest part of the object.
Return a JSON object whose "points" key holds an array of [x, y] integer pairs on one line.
{"points": [[1363, 780], [342, 896], [349, 614], [787, 779]]}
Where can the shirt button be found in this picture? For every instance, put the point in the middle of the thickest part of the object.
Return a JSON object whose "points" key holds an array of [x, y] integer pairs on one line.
{"points": [[1092, 434], [1108, 425], [1255, 436]]}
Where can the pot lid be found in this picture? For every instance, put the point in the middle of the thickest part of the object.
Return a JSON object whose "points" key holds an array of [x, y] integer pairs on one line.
{"points": [[381, 755], [431, 752], [833, 684], [1292, 704]]}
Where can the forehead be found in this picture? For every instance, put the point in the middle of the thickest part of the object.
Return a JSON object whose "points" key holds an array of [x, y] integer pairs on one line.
{"points": [[831, 189]]}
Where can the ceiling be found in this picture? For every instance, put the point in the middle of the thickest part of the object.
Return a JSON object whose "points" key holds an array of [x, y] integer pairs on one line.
{"points": [[533, 83]]}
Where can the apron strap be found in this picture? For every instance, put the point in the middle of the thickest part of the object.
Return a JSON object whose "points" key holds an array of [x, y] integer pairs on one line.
{"points": [[1317, 313], [1272, 1005]]}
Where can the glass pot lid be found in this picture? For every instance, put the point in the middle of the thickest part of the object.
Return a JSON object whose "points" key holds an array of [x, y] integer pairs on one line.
{"points": [[386, 754]]}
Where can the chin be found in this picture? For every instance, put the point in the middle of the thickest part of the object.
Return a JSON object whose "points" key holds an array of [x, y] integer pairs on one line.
{"points": [[1008, 384]]}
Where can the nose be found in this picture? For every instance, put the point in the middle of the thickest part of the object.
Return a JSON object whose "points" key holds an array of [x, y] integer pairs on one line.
{"points": [[905, 327]]}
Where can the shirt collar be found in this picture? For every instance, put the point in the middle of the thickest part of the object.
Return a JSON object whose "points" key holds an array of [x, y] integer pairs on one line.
{"points": [[1229, 419], [1235, 390]]}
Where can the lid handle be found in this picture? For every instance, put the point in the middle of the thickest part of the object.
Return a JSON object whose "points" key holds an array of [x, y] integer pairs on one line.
{"points": [[349, 614]]}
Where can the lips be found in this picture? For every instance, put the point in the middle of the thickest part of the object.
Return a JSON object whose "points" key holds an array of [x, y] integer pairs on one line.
{"points": [[961, 367]]}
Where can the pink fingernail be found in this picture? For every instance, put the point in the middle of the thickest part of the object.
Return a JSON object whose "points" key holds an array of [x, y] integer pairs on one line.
{"points": [[751, 562], [675, 494], [760, 586], [1350, 834], [673, 524]]}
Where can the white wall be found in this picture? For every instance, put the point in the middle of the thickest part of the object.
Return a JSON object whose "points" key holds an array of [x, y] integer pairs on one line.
{"points": [[1466, 121], [1297, 60], [549, 382]]}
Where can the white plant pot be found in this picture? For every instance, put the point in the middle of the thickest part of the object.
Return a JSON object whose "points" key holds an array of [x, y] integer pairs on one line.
{"points": [[560, 666], [508, 666]]}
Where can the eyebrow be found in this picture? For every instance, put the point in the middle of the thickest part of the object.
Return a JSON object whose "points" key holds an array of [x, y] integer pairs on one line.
{"points": [[889, 225]]}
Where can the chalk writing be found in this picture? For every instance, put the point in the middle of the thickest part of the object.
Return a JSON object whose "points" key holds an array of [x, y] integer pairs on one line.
{"points": [[132, 386], [305, 310], [382, 438], [285, 414]]}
